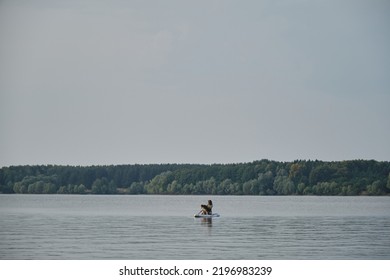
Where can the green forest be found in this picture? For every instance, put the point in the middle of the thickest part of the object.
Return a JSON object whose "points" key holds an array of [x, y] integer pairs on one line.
{"points": [[263, 177]]}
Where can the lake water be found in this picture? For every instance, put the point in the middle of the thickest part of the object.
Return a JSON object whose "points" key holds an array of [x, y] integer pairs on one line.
{"points": [[163, 227]]}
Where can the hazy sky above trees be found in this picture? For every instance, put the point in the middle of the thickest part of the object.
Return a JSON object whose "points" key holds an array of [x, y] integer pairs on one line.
{"points": [[110, 82]]}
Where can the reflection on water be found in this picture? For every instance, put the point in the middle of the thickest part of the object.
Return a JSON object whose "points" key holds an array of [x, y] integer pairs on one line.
{"points": [[113, 227], [207, 222]]}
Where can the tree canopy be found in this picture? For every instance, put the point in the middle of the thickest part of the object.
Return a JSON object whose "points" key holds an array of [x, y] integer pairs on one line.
{"points": [[263, 177]]}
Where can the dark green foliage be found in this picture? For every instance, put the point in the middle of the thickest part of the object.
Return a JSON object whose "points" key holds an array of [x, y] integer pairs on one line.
{"points": [[264, 177]]}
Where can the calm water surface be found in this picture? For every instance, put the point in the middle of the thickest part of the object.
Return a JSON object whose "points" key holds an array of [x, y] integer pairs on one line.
{"points": [[163, 227]]}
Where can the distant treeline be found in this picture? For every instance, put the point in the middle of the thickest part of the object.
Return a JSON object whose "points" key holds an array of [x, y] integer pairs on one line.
{"points": [[264, 177]]}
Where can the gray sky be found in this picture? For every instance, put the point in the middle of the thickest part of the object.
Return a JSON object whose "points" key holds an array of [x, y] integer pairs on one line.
{"points": [[111, 82]]}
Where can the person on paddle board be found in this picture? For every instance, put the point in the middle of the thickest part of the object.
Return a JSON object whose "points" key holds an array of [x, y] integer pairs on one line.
{"points": [[207, 209]]}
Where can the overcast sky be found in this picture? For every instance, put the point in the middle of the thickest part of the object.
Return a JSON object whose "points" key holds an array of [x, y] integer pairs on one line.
{"points": [[117, 82]]}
